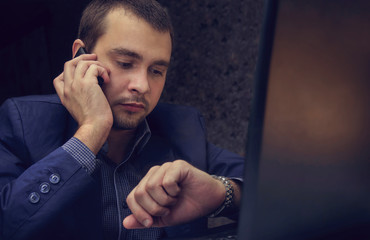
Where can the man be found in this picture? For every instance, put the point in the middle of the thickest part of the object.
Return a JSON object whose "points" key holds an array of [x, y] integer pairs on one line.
{"points": [[77, 165]]}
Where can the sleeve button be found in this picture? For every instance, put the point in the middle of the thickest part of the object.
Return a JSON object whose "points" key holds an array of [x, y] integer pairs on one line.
{"points": [[34, 197], [44, 187], [54, 178]]}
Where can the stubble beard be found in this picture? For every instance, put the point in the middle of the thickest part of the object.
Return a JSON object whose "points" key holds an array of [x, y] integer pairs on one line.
{"points": [[126, 121], [129, 120]]}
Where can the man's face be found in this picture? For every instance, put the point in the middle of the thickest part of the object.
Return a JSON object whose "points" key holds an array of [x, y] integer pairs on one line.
{"points": [[138, 57]]}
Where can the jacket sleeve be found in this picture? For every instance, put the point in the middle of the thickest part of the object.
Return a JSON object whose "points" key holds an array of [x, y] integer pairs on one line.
{"points": [[33, 193], [184, 128], [222, 162]]}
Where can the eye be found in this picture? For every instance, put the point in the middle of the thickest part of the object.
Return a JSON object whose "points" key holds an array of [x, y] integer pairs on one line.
{"points": [[125, 65], [156, 72]]}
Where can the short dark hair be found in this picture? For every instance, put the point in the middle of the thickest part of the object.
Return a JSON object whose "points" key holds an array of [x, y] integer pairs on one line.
{"points": [[92, 24]]}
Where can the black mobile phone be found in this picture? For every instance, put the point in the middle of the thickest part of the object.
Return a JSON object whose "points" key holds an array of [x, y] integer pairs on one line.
{"points": [[81, 51]]}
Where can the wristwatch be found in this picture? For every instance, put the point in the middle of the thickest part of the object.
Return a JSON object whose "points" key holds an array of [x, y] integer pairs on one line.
{"points": [[229, 195]]}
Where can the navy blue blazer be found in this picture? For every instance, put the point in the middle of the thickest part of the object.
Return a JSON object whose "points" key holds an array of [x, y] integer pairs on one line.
{"points": [[32, 131]]}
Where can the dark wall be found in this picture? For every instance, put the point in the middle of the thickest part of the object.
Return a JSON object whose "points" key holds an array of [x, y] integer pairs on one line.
{"points": [[213, 63], [36, 39], [212, 67]]}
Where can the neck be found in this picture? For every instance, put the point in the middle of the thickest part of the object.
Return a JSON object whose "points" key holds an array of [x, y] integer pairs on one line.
{"points": [[118, 142]]}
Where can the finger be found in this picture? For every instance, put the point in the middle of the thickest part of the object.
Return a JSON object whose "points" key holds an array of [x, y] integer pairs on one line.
{"points": [[95, 70], [150, 193], [70, 66], [59, 86], [146, 202], [82, 67], [84, 57], [142, 216], [172, 178], [156, 189], [170, 185]]}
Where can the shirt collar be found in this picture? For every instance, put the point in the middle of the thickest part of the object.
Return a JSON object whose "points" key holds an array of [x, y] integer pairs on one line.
{"points": [[142, 137]]}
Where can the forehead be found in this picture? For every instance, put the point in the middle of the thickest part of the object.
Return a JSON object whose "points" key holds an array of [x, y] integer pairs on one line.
{"points": [[123, 29]]}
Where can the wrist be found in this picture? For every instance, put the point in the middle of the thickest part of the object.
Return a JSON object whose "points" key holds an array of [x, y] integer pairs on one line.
{"points": [[93, 136], [228, 195]]}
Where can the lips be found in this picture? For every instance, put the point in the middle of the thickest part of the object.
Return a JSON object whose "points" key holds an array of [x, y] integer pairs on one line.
{"points": [[133, 107]]}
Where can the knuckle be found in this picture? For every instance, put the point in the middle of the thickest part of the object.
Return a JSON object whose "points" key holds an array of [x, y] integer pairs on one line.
{"points": [[167, 182], [151, 186], [67, 64], [180, 162], [129, 199], [139, 193], [66, 93], [167, 164], [172, 188], [156, 210], [154, 168], [79, 64], [94, 67]]}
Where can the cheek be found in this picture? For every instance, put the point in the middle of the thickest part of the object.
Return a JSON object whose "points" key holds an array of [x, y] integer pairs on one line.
{"points": [[156, 90], [110, 91], [113, 87]]}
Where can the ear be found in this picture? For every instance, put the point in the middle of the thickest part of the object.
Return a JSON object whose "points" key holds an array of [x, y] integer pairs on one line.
{"points": [[77, 44]]}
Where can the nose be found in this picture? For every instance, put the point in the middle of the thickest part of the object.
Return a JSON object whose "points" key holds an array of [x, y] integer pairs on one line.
{"points": [[139, 82]]}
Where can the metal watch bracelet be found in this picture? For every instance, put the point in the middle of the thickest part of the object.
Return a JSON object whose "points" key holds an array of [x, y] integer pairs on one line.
{"points": [[229, 195]]}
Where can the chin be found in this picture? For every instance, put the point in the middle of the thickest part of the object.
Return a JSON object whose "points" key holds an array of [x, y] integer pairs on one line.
{"points": [[127, 123]]}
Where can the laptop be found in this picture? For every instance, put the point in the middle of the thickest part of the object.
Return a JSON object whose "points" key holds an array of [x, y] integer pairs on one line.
{"points": [[307, 172]]}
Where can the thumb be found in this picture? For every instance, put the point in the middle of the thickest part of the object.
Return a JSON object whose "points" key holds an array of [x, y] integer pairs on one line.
{"points": [[130, 222]]}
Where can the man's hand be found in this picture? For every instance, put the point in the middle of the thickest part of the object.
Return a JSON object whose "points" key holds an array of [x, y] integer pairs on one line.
{"points": [[173, 193], [78, 89]]}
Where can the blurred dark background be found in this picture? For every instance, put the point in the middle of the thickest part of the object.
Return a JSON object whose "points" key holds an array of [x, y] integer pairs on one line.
{"points": [[213, 64]]}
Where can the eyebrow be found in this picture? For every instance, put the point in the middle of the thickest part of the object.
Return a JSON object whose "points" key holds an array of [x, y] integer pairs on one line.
{"points": [[129, 53], [125, 52], [162, 63]]}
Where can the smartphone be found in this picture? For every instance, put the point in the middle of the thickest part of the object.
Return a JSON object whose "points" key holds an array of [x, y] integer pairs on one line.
{"points": [[81, 51]]}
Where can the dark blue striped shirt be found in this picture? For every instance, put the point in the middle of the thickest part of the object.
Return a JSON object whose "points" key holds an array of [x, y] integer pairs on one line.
{"points": [[117, 181]]}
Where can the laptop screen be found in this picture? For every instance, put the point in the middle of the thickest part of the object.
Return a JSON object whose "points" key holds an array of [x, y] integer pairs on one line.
{"points": [[308, 164]]}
